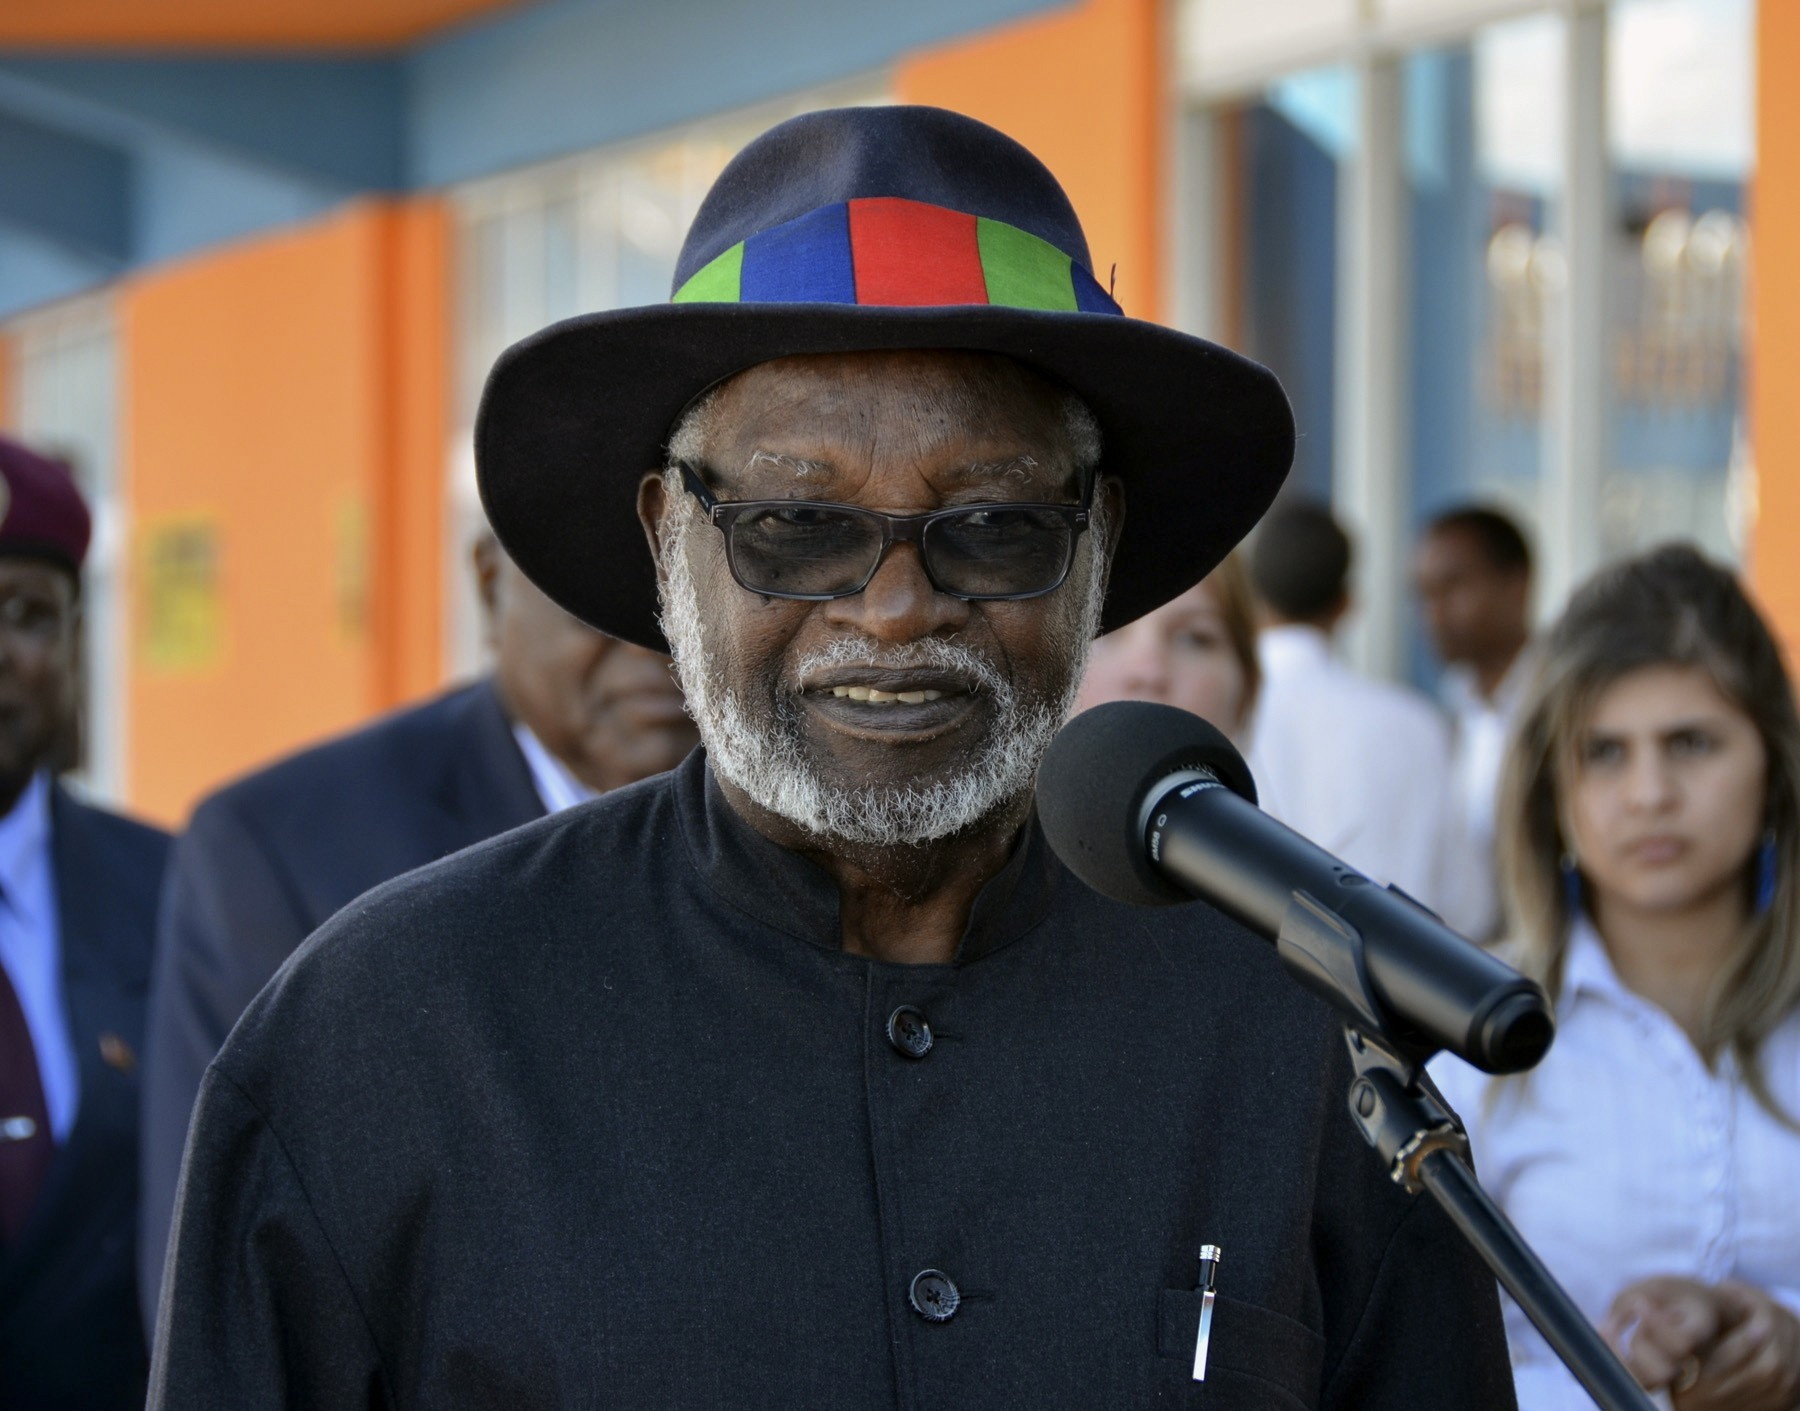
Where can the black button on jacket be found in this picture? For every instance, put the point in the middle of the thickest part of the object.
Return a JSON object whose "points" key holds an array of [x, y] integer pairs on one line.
{"points": [[599, 1114]]}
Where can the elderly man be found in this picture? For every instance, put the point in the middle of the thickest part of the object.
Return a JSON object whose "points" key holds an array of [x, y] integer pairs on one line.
{"points": [[805, 1076], [567, 714]]}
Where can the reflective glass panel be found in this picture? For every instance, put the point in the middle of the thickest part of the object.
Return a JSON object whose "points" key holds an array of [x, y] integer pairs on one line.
{"points": [[1289, 147], [1482, 169], [1680, 142]]}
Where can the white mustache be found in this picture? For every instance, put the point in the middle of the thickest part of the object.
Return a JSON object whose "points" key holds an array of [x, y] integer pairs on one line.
{"points": [[951, 657]]}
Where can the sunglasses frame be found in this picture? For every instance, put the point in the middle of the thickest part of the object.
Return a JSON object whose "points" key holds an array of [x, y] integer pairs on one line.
{"points": [[723, 514]]}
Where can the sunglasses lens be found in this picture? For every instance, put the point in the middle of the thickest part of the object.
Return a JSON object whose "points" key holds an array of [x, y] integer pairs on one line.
{"points": [[821, 551], [803, 551], [1000, 553]]}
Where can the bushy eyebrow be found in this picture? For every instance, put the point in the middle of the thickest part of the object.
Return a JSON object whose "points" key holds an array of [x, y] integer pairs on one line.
{"points": [[799, 466], [1012, 468]]}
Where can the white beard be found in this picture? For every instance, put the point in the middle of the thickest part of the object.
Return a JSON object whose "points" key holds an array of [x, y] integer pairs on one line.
{"points": [[769, 761]]}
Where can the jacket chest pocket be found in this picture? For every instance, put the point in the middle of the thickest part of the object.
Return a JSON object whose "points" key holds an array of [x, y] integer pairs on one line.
{"points": [[1255, 1359]]}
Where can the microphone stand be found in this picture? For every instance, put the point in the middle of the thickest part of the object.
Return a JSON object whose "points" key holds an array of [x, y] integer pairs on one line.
{"points": [[1400, 1114]]}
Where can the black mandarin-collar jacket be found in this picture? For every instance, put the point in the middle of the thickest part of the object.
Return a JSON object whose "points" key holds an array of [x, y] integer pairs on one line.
{"points": [[599, 1114]]}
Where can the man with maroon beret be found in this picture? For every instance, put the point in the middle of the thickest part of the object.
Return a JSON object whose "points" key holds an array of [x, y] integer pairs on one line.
{"points": [[78, 896]]}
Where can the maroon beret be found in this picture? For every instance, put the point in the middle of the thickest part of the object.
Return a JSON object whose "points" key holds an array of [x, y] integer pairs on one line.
{"points": [[41, 511]]}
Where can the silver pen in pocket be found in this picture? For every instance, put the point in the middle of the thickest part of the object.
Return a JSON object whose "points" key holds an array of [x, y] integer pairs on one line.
{"points": [[1210, 1255]]}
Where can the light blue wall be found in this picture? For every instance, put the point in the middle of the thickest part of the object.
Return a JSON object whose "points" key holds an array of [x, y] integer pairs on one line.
{"points": [[190, 197], [35, 271], [117, 161]]}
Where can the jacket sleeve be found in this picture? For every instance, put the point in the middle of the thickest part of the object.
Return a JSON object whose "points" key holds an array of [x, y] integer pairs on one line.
{"points": [[228, 920], [1429, 1332], [258, 1310]]}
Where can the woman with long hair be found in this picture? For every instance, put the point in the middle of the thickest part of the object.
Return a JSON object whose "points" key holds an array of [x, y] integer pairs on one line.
{"points": [[1650, 845]]}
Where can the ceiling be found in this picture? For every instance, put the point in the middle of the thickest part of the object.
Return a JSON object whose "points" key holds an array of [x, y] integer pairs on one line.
{"points": [[229, 24]]}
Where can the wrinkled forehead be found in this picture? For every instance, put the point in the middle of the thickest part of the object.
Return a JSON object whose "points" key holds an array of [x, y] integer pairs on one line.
{"points": [[957, 418]]}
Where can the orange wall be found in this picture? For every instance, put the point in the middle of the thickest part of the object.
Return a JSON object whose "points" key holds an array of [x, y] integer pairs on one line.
{"points": [[283, 408], [1086, 88], [1775, 321], [411, 519]]}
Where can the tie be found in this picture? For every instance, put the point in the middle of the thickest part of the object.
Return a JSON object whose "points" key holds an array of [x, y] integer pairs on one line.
{"points": [[26, 1150]]}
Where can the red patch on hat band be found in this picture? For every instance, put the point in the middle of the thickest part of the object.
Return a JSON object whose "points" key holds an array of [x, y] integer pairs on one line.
{"points": [[907, 253]]}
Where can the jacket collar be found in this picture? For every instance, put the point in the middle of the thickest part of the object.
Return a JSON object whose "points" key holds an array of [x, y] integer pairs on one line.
{"points": [[1588, 969]]}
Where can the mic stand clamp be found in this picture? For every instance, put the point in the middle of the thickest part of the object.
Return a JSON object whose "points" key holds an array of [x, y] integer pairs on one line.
{"points": [[1422, 1145]]}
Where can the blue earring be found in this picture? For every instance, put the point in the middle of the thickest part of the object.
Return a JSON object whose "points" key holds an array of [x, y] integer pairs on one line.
{"points": [[1571, 883], [1765, 873]]}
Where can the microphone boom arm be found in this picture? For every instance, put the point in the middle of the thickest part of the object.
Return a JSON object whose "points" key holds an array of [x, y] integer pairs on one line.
{"points": [[1422, 1146]]}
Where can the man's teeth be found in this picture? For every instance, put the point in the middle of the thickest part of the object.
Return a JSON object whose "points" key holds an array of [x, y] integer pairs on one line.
{"points": [[875, 697]]}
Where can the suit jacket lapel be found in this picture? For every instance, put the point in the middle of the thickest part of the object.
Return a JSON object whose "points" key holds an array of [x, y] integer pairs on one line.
{"points": [[104, 1027], [488, 785]]}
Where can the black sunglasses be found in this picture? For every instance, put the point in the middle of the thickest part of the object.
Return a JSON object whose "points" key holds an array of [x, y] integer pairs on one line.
{"points": [[814, 549]]}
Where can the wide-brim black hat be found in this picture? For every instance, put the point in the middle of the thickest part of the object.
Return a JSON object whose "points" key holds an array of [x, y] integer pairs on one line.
{"points": [[861, 229]]}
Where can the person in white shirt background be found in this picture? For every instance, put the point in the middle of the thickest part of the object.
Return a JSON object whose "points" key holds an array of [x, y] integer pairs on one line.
{"points": [[1361, 767], [1197, 653], [1650, 844], [1472, 574]]}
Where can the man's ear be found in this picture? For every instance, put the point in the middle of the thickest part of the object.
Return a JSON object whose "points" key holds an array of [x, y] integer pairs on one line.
{"points": [[484, 558], [652, 506], [1112, 495]]}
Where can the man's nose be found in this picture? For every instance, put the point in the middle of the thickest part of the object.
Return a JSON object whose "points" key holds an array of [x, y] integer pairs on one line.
{"points": [[899, 604]]}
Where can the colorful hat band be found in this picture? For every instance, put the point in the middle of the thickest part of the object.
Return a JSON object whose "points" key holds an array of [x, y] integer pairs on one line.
{"points": [[890, 252]]}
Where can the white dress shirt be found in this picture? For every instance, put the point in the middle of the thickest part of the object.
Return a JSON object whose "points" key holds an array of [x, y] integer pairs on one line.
{"points": [[31, 949], [1478, 736], [1363, 769], [1621, 1156], [556, 786], [1480, 728]]}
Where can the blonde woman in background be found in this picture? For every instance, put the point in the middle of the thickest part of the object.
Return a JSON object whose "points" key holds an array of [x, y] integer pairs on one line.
{"points": [[1197, 652], [1650, 843]]}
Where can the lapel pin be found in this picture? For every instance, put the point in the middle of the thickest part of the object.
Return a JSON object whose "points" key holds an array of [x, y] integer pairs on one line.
{"points": [[17, 1129], [115, 1051]]}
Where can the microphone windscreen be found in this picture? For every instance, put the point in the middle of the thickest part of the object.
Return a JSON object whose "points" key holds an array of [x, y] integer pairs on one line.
{"points": [[1093, 781]]}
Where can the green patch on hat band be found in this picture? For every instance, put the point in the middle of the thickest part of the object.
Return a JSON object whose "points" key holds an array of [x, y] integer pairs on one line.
{"points": [[1022, 271], [719, 281]]}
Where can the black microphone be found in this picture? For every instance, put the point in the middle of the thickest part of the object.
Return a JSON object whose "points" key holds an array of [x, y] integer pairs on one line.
{"points": [[1151, 805]]}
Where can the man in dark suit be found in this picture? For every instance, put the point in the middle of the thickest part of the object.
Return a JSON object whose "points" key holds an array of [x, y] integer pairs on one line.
{"points": [[78, 893], [569, 713]]}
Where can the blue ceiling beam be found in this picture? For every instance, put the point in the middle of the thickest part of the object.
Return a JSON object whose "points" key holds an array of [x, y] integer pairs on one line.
{"points": [[327, 119], [65, 190]]}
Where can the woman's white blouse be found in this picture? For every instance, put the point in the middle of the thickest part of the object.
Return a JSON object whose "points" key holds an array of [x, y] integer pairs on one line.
{"points": [[1621, 1156]]}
